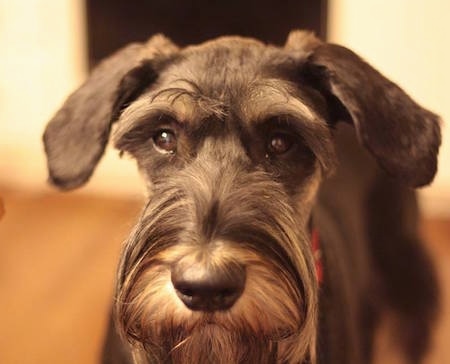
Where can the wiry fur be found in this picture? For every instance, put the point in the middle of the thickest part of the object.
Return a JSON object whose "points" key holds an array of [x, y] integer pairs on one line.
{"points": [[254, 226], [222, 201]]}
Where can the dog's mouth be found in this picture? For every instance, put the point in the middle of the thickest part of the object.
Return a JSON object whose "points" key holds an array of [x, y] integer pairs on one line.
{"points": [[212, 340], [213, 323]]}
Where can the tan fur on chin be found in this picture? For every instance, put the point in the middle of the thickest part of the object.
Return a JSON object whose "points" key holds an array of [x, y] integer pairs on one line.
{"points": [[256, 329]]}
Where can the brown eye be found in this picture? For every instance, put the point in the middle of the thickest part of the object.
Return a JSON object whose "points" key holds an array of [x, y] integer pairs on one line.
{"points": [[279, 144], [165, 141]]}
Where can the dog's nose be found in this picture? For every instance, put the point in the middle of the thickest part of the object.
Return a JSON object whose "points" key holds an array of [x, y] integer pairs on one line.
{"points": [[203, 288]]}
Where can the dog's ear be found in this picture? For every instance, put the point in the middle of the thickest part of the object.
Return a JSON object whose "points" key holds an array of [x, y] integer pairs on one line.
{"points": [[400, 134], [76, 137]]}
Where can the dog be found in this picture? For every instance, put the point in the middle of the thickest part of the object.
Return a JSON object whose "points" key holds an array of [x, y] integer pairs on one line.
{"points": [[281, 219]]}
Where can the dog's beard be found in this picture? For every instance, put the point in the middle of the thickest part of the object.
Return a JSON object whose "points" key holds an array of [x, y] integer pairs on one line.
{"points": [[258, 328], [211, 343], [274, 320]]}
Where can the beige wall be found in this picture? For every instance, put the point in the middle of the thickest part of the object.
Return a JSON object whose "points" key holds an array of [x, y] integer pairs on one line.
{"points": [[44, 58]]}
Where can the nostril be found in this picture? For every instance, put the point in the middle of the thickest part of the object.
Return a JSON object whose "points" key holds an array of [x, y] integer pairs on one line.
{"points": [[208, 289]]}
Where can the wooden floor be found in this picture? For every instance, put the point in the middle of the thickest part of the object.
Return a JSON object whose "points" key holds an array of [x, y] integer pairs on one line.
{"points": [[58, 254]]}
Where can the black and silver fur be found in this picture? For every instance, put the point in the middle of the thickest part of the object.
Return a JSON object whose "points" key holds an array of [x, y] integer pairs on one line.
{"points": [[243, 156]]}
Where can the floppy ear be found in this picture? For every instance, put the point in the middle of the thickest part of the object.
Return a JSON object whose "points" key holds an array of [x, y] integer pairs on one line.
{"points": [[76, 137], [400, 134]]}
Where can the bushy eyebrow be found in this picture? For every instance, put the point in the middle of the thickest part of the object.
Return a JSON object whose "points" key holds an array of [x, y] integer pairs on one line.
{"points": [[282, 102], [127, 137], [316, 134], [191, 89]]}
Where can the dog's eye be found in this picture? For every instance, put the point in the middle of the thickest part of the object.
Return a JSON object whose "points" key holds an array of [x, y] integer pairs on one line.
{"points": [[279, 143], [165, 141]]}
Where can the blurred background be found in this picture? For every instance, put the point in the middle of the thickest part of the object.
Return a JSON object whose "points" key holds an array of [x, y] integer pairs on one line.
{"points": [[58, 251]]}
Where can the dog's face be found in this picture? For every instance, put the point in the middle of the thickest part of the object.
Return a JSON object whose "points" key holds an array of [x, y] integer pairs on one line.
{"points": [[233, 152], [233, 138]]}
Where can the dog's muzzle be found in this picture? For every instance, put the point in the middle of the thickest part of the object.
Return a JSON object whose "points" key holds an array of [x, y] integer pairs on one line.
{"points": [[218, 260]]}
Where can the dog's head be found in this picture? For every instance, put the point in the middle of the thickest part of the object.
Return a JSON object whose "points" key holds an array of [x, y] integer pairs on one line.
{"points": [[233, 138]]}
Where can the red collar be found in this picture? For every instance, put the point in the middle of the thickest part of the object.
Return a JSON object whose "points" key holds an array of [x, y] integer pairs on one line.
{"points": [[315, 244]]}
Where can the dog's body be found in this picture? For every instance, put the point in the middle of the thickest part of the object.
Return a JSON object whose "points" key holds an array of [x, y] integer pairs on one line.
{"points": [[237, 141]]}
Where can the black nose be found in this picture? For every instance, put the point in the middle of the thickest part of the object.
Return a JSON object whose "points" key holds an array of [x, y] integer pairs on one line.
{"points": [[203, 288]]}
